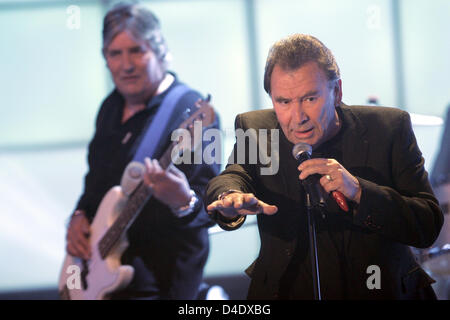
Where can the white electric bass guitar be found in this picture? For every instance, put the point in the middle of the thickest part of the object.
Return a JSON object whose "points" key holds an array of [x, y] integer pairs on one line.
{"points": [[103, 274]]}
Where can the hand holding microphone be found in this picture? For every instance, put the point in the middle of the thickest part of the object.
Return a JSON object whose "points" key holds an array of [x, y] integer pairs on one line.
{"points": [[329, 173]]}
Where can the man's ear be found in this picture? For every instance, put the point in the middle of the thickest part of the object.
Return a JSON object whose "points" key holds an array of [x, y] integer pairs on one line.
{"points": [[338, 93], [104, 57]]}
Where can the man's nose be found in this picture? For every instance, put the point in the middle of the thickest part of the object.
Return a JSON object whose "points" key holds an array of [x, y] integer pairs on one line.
{"points": [[298, 114], [127, 63]]}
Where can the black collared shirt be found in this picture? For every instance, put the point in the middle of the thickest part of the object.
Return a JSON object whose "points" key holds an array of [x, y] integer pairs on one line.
{"points": [[332, 232]]}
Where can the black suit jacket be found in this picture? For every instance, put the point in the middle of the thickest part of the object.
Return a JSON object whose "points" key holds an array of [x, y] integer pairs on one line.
{"points": [[397, 210]]}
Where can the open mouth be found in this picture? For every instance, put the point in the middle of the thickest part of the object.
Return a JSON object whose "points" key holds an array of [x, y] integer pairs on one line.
{"points": [[303, 133]]}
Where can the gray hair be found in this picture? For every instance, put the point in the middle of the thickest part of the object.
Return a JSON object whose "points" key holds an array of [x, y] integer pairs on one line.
{"points": [[296, 50], [140, 22]]}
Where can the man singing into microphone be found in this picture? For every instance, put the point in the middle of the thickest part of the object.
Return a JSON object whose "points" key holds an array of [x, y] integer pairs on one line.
{"points": [[367, 154]]}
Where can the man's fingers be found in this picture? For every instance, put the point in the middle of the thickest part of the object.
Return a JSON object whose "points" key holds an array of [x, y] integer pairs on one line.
{"points": [[85, 228], [242, 204], [218, 204], [156, 165], [313, 162], [312, 170], [79, 248], [257, 208], [176, 172], [327, 185], [269, 209], [148, 165], [227, 202], [250, 198], [212, 206], [319, 166], [238, 202], [78, 238]]}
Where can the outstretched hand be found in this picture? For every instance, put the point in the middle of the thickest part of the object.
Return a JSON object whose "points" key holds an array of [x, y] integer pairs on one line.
{"points": [[237, 203]]}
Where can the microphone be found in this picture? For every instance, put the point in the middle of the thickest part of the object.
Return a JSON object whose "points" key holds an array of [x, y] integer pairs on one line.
{"points": [[302, 152]]}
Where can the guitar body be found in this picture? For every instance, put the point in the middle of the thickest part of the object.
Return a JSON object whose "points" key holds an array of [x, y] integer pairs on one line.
{"points": [[103, 276]]}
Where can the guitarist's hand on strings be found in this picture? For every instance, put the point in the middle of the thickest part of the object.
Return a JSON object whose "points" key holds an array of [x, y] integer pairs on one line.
{"points": [[78, 236], [170, 186]]}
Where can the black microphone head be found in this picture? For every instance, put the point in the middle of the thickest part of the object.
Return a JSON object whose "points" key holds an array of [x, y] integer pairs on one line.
{"points": [[300, 148]]}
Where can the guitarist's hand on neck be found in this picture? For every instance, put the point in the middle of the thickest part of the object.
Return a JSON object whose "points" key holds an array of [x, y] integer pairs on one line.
{"points": [[170, 186]]}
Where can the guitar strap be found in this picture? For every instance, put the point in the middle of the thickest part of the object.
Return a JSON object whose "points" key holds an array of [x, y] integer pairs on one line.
{"points": [[154, 132]]}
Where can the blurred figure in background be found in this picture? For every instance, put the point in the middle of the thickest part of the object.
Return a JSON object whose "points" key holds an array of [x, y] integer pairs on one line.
{"points": [[169, 242]]}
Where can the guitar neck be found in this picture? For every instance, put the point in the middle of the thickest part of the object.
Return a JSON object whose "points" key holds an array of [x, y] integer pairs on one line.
{"points": [[133, 207], [143, 193]]}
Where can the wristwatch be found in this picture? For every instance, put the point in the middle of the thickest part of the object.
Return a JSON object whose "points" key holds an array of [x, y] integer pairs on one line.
{"points": [[187, 209]]}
